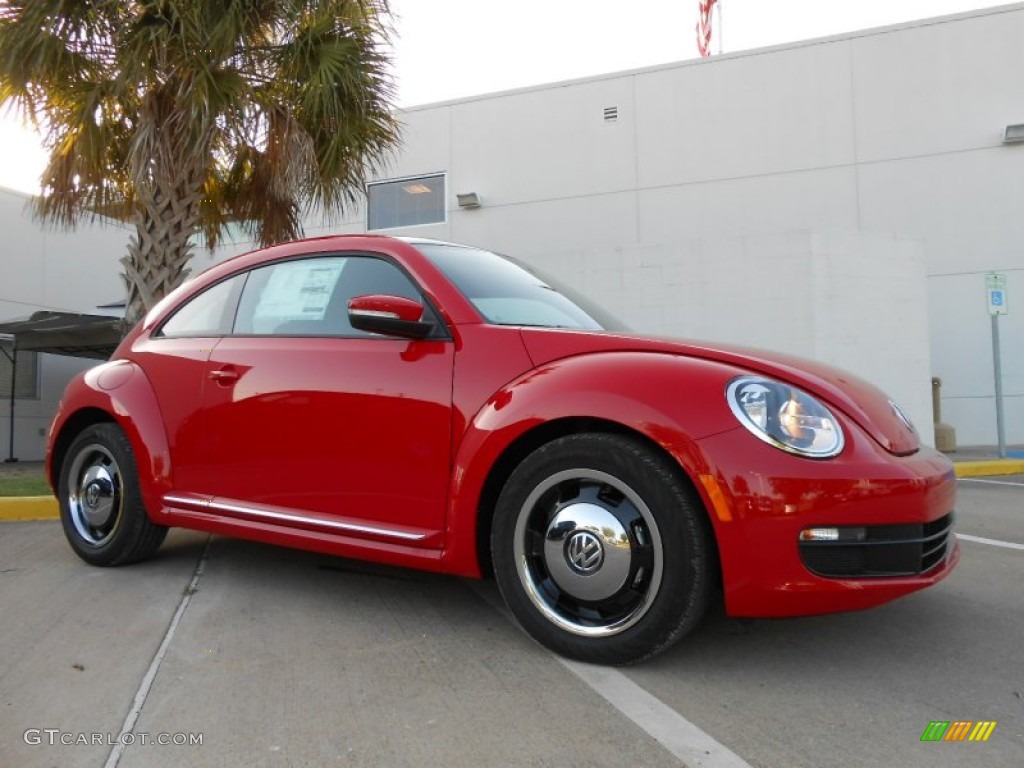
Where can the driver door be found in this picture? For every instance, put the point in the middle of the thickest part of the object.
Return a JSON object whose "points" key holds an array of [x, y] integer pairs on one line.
{"points": [[309, 422]]}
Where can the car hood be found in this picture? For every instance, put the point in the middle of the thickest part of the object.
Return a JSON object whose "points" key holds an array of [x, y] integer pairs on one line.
{"points": [[859, 400]]}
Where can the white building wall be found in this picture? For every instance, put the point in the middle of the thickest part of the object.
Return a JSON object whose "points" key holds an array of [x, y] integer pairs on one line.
{"points": [[879, 152], [47, 269], [932, 167]]}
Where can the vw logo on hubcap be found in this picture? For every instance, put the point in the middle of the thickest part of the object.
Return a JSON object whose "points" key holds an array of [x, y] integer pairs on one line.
{"points": [[583, 552], [92, 495]]}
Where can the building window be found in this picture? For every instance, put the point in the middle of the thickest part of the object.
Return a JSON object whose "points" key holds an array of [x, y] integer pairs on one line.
{"points": [[406, 202], [26, 383]]}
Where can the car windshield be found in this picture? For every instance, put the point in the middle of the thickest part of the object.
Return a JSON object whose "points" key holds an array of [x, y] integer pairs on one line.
{"points": [[507, 292]]}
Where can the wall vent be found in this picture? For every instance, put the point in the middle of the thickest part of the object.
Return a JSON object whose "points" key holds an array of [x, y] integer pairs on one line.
{"points": [[611, 114]]}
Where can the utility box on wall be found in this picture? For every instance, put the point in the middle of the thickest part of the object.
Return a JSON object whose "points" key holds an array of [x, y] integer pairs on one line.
{"points": [[945, 435]]}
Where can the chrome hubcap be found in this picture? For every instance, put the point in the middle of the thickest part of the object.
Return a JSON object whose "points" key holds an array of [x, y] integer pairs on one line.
{"points": [[94, 494], [588, 552]]}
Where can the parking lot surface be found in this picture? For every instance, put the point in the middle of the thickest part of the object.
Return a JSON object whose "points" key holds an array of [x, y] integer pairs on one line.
{"points": [[272, 657]]}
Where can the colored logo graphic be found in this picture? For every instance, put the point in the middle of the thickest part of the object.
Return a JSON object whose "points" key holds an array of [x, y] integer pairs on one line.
{"points": [[958, 730]]}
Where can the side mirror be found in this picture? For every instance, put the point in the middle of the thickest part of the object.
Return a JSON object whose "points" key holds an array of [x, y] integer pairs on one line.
{"points": [[389, 315]]}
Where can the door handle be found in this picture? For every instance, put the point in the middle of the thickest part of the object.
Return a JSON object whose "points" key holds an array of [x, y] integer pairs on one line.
{"points": [[224, 375]]}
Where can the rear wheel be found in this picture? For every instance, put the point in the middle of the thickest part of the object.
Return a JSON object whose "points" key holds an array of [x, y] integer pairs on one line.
{"points": [[101, 507], [600, 550]]}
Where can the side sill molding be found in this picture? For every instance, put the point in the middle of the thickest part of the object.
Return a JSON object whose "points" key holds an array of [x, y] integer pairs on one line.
{"points": [[290, 519]]}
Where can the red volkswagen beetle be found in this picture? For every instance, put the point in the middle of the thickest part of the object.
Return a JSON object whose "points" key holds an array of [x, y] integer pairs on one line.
{"points": [[438, 406]]}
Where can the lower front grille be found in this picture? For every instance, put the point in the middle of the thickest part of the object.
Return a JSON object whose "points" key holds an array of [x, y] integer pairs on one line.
{"points": [[880, 550]]}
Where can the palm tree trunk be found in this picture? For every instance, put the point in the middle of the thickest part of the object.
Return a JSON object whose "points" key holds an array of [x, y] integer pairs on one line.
{"points": [[166, 219]]}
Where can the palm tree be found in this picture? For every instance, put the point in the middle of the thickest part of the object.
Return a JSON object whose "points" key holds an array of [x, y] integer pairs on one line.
{"points": [[182, 116]]}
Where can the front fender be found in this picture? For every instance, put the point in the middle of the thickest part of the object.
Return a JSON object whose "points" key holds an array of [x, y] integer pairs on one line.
{"points": [[120, 390], [674, 401]]}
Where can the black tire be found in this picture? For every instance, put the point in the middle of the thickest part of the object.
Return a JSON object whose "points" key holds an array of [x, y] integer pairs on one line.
{"points": [[601, 551], [101, 508]]}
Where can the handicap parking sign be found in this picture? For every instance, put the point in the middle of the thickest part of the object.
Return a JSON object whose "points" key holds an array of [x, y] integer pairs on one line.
{"points": [[995, 288]]}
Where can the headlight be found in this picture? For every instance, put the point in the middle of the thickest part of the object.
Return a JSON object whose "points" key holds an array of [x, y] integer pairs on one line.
{"points": [[785, 417]]}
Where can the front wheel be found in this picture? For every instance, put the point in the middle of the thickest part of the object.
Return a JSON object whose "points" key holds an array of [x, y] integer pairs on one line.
{"points": [[600, 550], [101, 507]]}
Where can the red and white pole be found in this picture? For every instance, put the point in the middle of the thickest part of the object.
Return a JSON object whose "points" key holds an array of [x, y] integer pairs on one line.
{"points": [[705, 9]]}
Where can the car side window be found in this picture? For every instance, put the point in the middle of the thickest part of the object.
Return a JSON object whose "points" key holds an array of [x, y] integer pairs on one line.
{"points": [[309, 297], [211, 313]]}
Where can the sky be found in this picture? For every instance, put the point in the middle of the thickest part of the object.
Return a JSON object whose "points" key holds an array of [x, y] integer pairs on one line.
{"points": [[449, 49]]}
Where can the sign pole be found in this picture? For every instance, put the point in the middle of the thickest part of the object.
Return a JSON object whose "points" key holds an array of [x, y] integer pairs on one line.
{"points": [[995, 289], [998, 369], [718, 12]]}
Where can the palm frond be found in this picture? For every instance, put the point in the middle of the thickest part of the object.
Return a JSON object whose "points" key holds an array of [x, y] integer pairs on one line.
{"points": [[213, 111]]}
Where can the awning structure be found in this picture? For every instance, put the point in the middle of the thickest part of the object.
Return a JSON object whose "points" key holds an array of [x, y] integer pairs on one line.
{"points": [[60, 333], [66, 333]]}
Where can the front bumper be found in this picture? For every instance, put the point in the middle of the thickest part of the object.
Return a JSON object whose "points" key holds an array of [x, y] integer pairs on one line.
{"points": [[895, 514]]}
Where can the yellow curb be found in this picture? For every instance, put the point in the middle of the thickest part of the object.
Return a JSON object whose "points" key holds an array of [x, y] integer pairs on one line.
{"points": [[28, 508], [992, 467]]}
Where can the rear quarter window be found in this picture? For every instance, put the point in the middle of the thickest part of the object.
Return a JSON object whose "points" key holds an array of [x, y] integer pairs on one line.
{"points": [[210, 313]]}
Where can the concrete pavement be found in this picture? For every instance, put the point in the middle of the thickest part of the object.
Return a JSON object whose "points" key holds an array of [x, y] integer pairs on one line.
{"points": [[282, 658], [274, 657]]}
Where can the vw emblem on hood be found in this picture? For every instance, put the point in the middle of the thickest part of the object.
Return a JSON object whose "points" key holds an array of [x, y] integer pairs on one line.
{"points": [[902, 416], [583, 552]]}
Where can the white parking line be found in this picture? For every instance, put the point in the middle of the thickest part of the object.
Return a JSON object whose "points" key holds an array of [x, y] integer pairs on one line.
{"points": [[154, 666], [681, 738], [666, 726], [990, 542], [989, 482]]}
